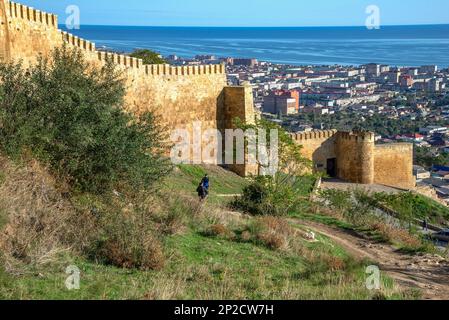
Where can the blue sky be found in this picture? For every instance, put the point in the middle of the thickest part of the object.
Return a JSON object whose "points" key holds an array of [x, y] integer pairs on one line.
{"points": [[248, 12]]}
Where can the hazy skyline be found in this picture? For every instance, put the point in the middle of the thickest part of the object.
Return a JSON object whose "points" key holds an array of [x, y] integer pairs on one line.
{"points": [[248, 13]]}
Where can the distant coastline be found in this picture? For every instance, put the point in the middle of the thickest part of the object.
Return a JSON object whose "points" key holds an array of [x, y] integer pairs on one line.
{"points": [[259, 27], [411, 45]]}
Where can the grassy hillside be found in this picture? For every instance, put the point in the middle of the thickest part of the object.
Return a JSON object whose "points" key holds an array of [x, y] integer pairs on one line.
{"points": [[211, 253], [203, 268], [420, 206], [223, 183], [85, 184], [367, 215]]}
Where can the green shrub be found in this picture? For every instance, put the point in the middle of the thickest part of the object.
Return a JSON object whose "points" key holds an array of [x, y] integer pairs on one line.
{"points": [[414, 206], [127, 239], [358, 208], [277, 196], [148, 56], [337, 199], [70, 115], [286, 189]]}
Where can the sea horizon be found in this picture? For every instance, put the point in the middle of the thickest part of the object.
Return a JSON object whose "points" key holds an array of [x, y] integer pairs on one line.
{"points": [[408, 45], [257, 27]]}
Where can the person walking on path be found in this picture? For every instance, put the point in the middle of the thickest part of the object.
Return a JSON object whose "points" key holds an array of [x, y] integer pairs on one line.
{"points": [[201, 192], [425, 224], [205, 183]]}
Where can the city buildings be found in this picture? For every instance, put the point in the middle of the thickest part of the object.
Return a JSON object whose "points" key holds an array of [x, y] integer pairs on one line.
{"points": [[303, 98], [282, 102]]}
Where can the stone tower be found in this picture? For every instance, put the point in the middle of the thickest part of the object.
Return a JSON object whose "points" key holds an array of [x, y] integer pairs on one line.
{"points": [[355, 156], [365, 146]]}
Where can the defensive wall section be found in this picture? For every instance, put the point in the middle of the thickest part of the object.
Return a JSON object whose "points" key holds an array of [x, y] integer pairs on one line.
{"points": [[184, 95], [394, 165], [357, 159], [180, 95], [318, 146]]}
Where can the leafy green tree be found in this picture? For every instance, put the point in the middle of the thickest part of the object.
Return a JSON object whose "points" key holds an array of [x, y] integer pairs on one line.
{"points": [[70, 115], [148, 56], [284, 191], [424, 157], [290, 159]]}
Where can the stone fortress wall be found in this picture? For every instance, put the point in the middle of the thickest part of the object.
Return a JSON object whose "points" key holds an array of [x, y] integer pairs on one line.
{"points": [[318, 146], [393, 165], [181, 95], [188, 94], [358, 159]]}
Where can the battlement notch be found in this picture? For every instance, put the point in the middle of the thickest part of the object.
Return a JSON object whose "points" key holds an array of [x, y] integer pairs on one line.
{"points": [[77, 41], [167, 70], [315, 134], [357, 136], [17, 10]]}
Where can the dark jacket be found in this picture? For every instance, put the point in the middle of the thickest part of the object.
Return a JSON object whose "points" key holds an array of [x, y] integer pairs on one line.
{"points": [[201, 191]]}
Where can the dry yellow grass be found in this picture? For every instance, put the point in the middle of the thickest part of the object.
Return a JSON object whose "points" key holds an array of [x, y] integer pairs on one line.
{"points": [[274, 232], [393, 234], [41, 223]]}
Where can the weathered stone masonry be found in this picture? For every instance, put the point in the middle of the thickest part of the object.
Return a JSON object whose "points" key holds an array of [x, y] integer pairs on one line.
{"points": [[181, 95], [354, 157], [188, 94]]}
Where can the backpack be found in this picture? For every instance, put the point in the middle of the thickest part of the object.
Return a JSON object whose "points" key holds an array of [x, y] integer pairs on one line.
{"points": [[206, 183]]}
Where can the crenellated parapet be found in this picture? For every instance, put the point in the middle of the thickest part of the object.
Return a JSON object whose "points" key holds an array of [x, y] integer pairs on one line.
{"points": [[168, 70], [77, 42], [49, 22], [160, 69], [357, 136], [120, 59], [181, 96], [184, 95], [17, 10], [348, 155], [313, 135]]}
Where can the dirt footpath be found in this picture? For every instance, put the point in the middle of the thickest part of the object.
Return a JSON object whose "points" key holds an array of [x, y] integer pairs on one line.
{"points": [[428, 273]]}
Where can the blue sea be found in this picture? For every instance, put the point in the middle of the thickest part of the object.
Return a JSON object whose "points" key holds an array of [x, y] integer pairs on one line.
{"points": [[394, 45]]}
